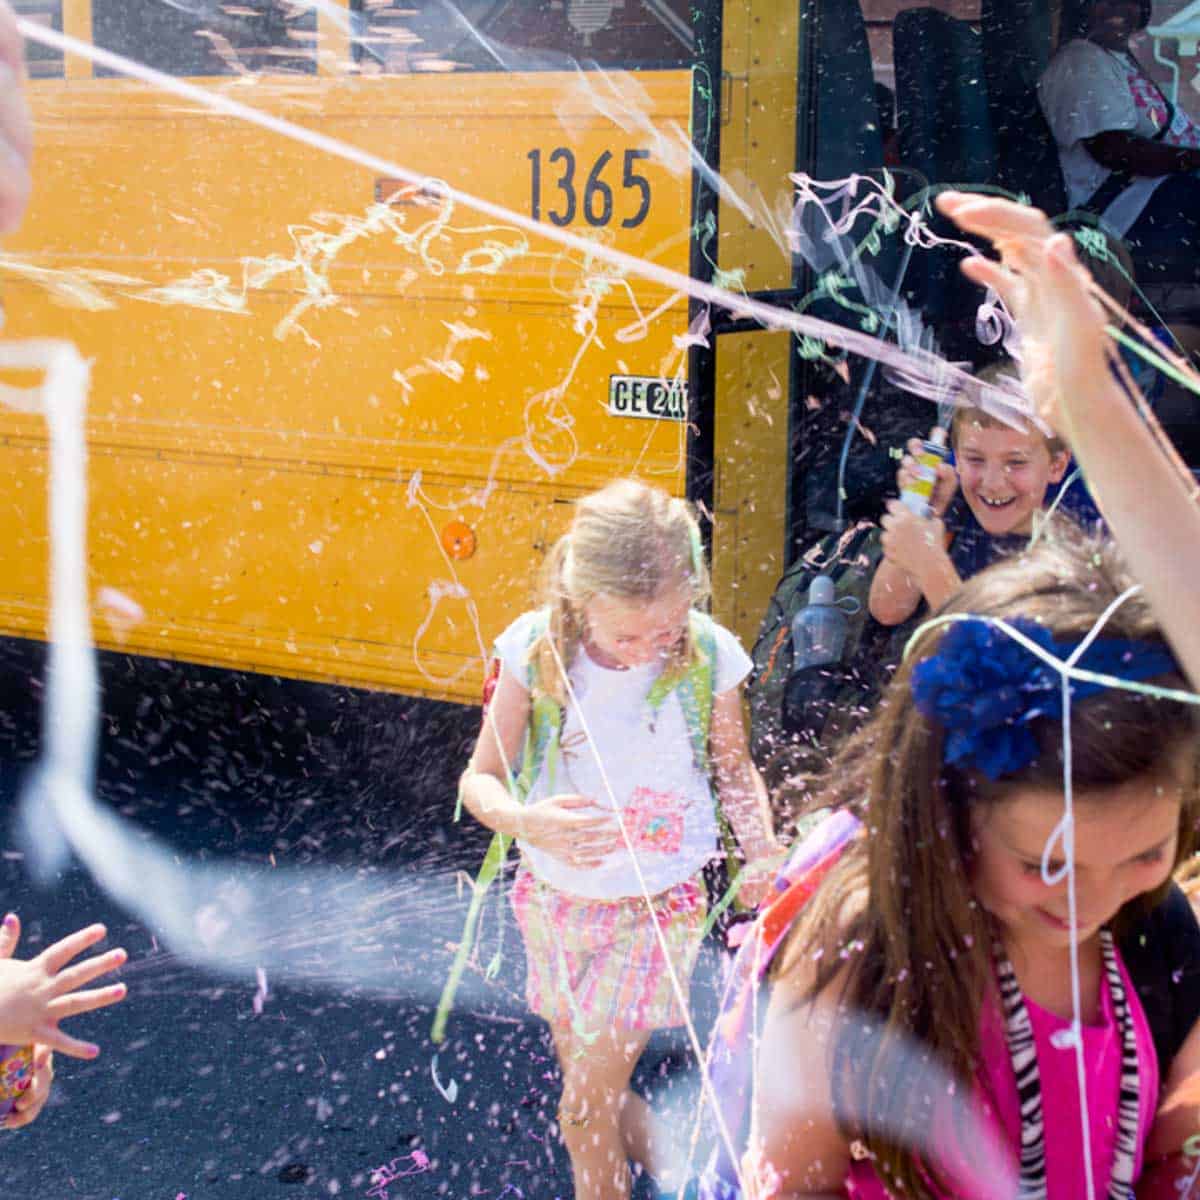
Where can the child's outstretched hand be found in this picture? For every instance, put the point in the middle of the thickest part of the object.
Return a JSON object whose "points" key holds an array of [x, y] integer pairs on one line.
{"points": [[16, 127], [573, 828], [1048, 292], [30, 1104], [944, 486], [37, 993]]}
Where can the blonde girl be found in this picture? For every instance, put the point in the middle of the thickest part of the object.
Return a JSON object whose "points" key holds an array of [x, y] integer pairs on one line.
{"points": [[615, 819]]}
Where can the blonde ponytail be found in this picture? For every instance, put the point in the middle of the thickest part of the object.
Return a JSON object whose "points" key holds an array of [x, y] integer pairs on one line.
{"points": [[564, 629]]}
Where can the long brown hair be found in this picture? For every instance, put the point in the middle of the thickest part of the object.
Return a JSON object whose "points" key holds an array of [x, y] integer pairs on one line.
{"points": [[901, 902], [630, 541]]}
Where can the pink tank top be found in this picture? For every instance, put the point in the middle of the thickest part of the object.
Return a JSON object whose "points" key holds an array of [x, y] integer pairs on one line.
{"points": [[995, 1097]]}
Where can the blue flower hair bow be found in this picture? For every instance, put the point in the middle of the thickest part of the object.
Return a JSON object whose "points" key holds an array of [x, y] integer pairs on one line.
{"points": [[985, 688]]}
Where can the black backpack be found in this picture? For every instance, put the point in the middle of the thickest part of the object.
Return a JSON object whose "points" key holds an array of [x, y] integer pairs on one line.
{"points": [[798, 718], [1162, 954]]}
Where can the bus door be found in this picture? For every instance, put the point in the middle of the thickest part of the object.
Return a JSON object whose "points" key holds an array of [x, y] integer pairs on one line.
{"points": [[795, 92], [910, 98]]}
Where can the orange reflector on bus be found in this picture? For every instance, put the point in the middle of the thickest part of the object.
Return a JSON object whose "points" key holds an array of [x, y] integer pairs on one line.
{"points": [[458, 539]]}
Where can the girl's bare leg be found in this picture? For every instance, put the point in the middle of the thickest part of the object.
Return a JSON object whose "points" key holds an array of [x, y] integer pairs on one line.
{"points": [[592, 1114], [650, 1141]]}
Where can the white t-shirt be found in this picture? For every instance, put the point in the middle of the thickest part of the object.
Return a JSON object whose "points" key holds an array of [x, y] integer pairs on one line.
{"points": [[1087, 90], [666, 803]]}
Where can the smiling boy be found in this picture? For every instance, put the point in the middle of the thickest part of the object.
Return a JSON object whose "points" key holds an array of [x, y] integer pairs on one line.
{"points": [[1002, 475]]}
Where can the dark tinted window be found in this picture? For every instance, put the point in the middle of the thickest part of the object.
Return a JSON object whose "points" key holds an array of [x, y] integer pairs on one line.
{"points": [[43, 62], [204, 37], [399, 36], [952, 90]]}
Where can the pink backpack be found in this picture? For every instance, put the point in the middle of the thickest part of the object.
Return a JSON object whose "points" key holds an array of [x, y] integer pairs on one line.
{"points": [[730, 1053]]}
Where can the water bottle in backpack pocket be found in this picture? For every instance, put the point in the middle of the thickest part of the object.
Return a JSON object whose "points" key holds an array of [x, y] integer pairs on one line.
{"points": [[816, 661], [819, 629]]}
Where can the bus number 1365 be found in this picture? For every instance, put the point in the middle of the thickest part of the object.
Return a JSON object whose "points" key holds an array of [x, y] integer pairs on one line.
{"points": [[594, 198]]}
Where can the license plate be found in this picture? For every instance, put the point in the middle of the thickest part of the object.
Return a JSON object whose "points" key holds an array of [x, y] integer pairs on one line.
{"points": [[647, 397]]}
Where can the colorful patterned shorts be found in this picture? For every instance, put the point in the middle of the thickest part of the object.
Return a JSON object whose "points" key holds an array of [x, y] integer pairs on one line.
{"points": [[600, 961]]}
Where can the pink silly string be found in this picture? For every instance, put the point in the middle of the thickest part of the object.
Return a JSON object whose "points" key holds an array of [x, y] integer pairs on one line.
{"points": [[382, 1177], [260, 996]]}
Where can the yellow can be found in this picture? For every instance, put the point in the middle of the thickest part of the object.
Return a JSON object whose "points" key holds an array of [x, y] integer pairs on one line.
{"points": [[919, 491]]}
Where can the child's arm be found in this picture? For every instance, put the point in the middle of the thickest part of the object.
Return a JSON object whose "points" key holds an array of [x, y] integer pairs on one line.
{"points": [[482, 788], [894, 593], [569, 826], [37, 993], [909, 569], [742, 795], [1147, 504], [915, 565], [800, 1147]]}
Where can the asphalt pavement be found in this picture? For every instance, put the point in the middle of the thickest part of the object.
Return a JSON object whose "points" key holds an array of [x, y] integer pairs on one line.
{"points": [[211, 1085]]}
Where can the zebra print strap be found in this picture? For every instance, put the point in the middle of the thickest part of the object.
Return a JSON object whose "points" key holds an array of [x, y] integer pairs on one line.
{"points": [[1023, 1052], [1120, 1186]]}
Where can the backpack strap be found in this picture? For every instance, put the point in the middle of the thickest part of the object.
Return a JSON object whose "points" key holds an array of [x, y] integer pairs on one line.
{"points": [[1161, 951], [695, 690], [544, 726], [541, 746], [694, 686]]}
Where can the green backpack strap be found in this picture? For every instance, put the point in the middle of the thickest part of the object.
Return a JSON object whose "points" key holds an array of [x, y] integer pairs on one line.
{"points": [[541, 747], [493, 861], [696, 687]]}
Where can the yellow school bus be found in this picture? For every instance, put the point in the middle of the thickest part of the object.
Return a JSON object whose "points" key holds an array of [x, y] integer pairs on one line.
{"points": [[336, 420]]}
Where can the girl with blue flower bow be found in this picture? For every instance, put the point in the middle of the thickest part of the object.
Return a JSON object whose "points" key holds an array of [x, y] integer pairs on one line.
{"points": [[926, 997], [995, 987]]}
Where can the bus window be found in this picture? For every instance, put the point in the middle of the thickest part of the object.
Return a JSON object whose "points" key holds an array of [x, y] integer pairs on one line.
{"points": [[960, 79], [208, 38], [398, 36], [41, 61], [879, 15]]}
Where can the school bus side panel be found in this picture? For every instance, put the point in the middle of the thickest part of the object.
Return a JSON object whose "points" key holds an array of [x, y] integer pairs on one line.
{"points": [[302, 397]]}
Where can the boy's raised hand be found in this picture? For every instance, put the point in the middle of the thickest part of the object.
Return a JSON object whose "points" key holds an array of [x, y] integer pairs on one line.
{"points": [[1048, 292], [944, 486], [36, 994], [915, 543]]}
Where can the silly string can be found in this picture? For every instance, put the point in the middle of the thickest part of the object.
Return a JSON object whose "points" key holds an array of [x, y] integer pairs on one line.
{"points": [[16, 1074], [917, 495]]}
